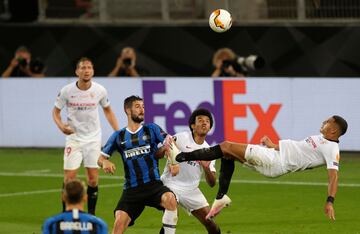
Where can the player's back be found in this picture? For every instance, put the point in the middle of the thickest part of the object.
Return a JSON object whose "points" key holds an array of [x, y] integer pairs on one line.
{"points": [[74, 221]]}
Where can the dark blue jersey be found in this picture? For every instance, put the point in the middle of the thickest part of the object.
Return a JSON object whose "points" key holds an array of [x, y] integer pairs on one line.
{"points": [[74, 222], [137, 151]]}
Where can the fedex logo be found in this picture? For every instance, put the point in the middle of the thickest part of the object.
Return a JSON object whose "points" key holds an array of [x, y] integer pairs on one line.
{"points": [[223, 108]]}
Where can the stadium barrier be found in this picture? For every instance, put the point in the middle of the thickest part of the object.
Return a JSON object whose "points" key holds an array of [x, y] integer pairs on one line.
{"points": [[243, 109]]}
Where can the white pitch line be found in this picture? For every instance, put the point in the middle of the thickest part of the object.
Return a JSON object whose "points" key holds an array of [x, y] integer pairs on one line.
{"points": [[26, 174], [289, 183], [50, 191], [31, 174]]}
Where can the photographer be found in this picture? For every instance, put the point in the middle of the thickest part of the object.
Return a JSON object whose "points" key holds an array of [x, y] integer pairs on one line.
{"points": [[228, 64], [19, 65], [222, 61], [126, 64]]}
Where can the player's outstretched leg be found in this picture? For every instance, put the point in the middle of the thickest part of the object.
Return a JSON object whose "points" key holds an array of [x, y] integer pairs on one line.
{"points": [[226, 171], [205, 154]]}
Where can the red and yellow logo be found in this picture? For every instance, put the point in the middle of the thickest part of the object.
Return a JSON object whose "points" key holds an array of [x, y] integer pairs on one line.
{"points": [[217, 22]]}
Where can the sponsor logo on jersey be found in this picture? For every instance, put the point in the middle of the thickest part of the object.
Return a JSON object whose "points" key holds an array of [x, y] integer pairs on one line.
{"points": [[81, 104], [311, 142], [336, 164], [193, 163], [76, 226], [145, 137], [137, 151]]}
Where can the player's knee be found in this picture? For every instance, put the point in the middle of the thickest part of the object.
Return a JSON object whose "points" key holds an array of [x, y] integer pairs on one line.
{"points": [[169, 201], [68, 177], [119, 225], [92, 182]]}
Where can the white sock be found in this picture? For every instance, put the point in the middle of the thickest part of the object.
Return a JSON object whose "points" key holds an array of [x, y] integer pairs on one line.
{"points": [[169, 221]]}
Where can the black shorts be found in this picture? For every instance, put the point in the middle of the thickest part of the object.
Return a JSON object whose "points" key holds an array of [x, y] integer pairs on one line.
{"points": [[134, 200]]}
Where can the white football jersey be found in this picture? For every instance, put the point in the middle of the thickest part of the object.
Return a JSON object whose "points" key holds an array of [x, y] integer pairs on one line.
{"points": [[190, 172], [82, 110], [314, 151]]}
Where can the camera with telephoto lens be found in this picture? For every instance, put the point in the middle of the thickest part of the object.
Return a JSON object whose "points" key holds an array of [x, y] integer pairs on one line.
{"points": [[243, 64], [22, 62], [37, 66], [127, 62]]}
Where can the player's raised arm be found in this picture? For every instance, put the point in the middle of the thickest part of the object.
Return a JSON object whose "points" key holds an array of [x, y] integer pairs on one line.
{"points": [[332, 189]]}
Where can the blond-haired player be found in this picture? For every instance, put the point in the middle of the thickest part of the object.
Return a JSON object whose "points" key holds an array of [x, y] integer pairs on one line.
{"points": [[82, 129]]}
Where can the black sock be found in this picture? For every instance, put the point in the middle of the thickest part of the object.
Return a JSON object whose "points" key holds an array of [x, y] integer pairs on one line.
{"points": [[206, 154], [63, 203], [92, 193], [226, 172]]}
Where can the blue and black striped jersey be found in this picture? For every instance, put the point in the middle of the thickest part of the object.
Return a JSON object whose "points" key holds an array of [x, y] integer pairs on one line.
{"points": [[74, 222], [137, 150]]}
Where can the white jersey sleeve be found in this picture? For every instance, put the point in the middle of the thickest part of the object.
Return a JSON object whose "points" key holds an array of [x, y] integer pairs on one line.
{"points": [[61, 99], [104, 101], [332, 156]]}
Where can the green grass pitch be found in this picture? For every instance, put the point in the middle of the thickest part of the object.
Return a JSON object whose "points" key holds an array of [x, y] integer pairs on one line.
{"points": [[30, 182]]}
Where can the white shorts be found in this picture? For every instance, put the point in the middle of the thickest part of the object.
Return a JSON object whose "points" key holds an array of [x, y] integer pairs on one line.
{"points": [[267, 161], [76, 152], [190, 200]]}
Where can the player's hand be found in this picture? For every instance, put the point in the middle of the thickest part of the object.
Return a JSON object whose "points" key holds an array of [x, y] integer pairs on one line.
{"points": [[119, 61], [329, 210], [14, 62], [67, 130], [174, 169], [265, 140], [205, 164], [108, 167]]}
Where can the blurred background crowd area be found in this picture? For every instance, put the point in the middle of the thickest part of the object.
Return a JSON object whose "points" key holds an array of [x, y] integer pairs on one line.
{"points": [[310, 38]]}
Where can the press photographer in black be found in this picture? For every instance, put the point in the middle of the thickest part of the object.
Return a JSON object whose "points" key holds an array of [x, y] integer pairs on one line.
{"points": [[20, 64], [125, 64], [228, 64]]}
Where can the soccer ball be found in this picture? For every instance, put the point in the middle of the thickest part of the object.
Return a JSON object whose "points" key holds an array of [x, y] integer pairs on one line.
{"points": [[220, 20]]}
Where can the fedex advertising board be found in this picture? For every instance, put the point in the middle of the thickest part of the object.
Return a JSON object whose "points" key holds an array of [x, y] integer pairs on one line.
{"points": [[244, 109]]}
